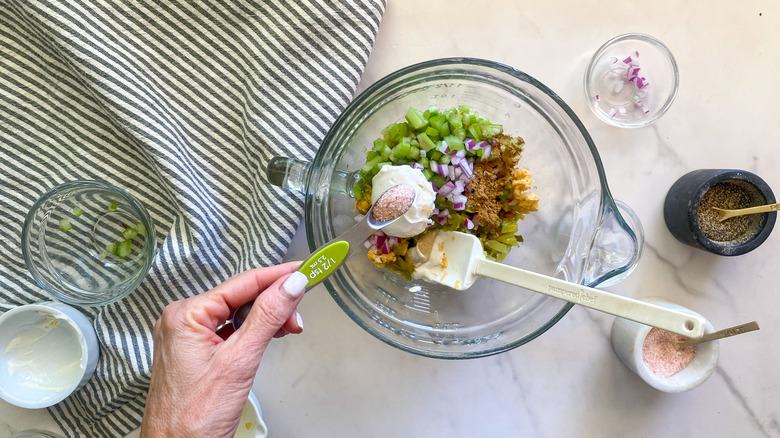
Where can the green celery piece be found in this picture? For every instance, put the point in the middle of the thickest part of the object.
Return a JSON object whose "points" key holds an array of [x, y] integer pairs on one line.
{"points": [[357, 189], [386, 152], [508, 226], [370, 164], [436, 156], [460, 133], [432, 133], [112, 207], [455, 120], [372, 154], [424, 162], [475, 133], [111, 248], [464, 109], [414, 153], [398, 132], [507, 239], [130, 233], [379, 166], [379, 144], [415, 119], [141, 228], [438, 180], [497, 246], [519, 238], [426, 143], [439, 123], [123, 248], [77, 211], [65, 225], [445, 159], [454, 142], [490, 130], [400, 151], [427, 174]]}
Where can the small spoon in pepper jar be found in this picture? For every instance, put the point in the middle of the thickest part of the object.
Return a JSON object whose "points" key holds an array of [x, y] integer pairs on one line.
{"points": [[724, 214]]}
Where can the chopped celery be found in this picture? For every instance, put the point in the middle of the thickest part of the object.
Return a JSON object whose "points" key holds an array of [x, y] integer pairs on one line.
{"points": [[438, 180], [445, 159], [426, 143], [454, 142], [370, 164], [372, 154], [507, 239], [427, 174], [431, 132], [424, 162], [112, 207], [436, 156], [77, 211], [398, 132], [414, 153], [141, 228], [496, 246], [508, 226], [65, 225], [357, 189], [400, 151], [416, 119], [130, 233], [111, 247], [123, 248]]}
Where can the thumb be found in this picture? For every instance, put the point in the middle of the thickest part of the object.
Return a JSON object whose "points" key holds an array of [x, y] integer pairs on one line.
{"points": [[272, 308]]}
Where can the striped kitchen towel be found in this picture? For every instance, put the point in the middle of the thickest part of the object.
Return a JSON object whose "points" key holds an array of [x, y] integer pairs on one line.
{"points": [[183, 103]]}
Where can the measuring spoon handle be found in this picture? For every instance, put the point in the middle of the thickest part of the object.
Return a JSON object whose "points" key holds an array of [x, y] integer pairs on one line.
{"points": [[675, 321]]}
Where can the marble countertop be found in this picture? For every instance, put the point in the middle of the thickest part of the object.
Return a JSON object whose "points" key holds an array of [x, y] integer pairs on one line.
{"points": [[337, 380]]}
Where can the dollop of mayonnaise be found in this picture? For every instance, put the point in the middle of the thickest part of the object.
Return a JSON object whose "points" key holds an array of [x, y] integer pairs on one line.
{"points": [[45, 354], [416, 219]]}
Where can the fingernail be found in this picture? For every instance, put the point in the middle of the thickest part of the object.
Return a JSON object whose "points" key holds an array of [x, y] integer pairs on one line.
{"points": [[299, 320], [295, 284]]}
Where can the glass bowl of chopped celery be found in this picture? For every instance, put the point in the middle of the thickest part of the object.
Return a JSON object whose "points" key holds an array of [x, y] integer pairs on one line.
{"points": [[631, 80], [88, 243], [579, 233]]}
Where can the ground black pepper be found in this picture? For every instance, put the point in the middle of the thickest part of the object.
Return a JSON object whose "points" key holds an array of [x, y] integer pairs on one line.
{"points": [[731, 196]]}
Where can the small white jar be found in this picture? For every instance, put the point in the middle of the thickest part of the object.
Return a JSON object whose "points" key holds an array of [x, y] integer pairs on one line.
{"points": [[628, 338], [47, 351]]}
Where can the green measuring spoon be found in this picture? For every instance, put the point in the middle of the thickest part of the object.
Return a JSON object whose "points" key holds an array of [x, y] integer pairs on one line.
{"points": [[327, 258]]}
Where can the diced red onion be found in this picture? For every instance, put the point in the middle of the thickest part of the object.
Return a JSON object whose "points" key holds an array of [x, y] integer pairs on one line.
{"points": [[481, 145], [458, 172], [466, 166], [444, 213], [423, 154], [469, 224], [443, 170], [461, 153], [455, 160], [434, 166], [446, 189], [367, 244], [460, 186], [459, 199], [469, 143], [488, 150], [459, 206], [417, 166]]}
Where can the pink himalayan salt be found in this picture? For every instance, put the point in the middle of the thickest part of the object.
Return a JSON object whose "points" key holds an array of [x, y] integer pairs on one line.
{"points": [[393, 203], [659, 354]]}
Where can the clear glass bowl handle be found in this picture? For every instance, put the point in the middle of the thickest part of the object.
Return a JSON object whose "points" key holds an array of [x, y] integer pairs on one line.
{"points": [[288, 173], [616, 246]]}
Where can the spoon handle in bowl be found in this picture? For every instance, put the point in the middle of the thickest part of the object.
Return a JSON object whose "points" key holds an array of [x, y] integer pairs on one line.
{"points": [[681, 323]]}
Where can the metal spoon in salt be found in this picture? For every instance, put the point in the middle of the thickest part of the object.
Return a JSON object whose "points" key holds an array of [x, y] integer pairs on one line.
{"points": [[388, 208], [725, 333], [724, 214]]}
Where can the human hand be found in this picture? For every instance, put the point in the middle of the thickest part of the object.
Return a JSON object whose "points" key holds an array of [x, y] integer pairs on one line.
{"points": [[199, 381]]}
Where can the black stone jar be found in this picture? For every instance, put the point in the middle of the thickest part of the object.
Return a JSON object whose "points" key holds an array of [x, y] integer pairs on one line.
{"points": [[681, 209]]}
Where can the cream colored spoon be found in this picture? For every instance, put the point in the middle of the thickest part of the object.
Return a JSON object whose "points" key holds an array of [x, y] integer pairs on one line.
{"points": [[725, 333], [724, 214]]}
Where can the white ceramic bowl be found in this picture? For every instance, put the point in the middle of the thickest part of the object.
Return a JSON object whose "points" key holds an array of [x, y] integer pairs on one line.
{"points": [[47, 351], [628, 337], [251, 424]]}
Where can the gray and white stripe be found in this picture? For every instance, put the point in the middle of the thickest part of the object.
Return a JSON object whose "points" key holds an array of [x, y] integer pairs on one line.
{"points": [[183, 103]]}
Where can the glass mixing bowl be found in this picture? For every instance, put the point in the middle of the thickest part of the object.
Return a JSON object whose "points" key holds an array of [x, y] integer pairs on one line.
{"points": [[579, 233]]}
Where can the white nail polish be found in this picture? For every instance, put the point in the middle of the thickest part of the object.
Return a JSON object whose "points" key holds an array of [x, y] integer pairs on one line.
{"points": [[299, 320], [295, 284]]}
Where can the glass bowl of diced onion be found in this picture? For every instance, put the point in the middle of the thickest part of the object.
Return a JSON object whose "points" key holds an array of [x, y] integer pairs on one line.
{"points": [[631, 80]]}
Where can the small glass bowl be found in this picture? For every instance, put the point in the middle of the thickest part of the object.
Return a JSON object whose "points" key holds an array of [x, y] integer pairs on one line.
{"points": [[88, 243], [631, 80]]}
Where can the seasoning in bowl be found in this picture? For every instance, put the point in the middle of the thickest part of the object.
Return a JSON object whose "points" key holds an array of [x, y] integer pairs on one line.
{"points": [[732, 196], [661, 356]]}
